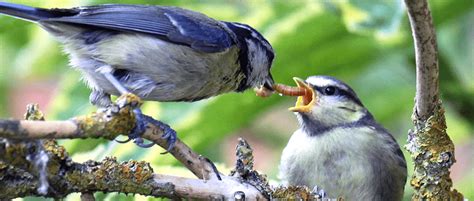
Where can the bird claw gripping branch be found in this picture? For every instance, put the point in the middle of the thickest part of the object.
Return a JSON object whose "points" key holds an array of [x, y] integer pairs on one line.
{"points": [[134, 102]]}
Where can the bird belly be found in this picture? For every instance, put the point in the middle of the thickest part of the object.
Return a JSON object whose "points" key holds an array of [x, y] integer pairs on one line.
{"points": [[155, 69], [327, 163]]}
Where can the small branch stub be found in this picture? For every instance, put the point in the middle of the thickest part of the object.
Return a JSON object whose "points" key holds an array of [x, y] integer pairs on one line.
{"points": [[426, 53], [244, 169], [86, 196]]}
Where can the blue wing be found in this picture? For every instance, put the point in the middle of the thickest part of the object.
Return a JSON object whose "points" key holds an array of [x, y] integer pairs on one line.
{"points": [[168, 23]]}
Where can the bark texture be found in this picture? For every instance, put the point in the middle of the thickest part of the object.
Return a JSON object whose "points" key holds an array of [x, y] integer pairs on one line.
{"points": [[430, 146], [23, 143]]}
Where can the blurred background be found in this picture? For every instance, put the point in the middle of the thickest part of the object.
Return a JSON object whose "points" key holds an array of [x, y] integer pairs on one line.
{"points": [[366, 43]]}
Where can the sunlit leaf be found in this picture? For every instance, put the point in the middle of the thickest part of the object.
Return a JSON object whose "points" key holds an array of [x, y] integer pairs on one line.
{"points": [[364, 16]]}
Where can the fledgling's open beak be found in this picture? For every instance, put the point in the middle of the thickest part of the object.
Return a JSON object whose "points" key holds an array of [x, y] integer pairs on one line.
{"points": [[305, 100]]}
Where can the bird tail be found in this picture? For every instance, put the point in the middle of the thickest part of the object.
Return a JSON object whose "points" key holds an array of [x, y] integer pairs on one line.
{"points": [[31, 13]]}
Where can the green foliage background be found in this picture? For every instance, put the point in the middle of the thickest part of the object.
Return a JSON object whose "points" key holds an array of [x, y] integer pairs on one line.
{"points": [[366, 43]]}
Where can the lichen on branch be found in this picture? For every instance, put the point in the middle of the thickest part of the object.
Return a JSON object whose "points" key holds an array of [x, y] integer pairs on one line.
{"points": [[432, 152], [428, 143], [19, 177]]}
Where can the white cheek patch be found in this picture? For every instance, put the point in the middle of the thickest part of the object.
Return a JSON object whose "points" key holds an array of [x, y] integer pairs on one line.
{"points": [[332, 110]]}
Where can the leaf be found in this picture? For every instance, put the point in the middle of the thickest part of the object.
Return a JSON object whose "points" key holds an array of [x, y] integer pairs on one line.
{"points": [[365, 16], [456, 40]]}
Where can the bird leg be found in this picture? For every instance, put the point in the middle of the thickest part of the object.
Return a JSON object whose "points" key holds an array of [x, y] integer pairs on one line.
{"points": [[141, 120], [319, 193], [168, 133], [100, 99]]}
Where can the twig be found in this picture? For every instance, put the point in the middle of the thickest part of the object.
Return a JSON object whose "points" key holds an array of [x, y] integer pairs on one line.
{"points": [[430, 146], [426, 50]]}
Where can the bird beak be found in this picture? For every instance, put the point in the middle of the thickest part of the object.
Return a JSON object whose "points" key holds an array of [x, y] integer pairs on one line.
{"points": [[266, 89], [269, 84], [306, 97]]}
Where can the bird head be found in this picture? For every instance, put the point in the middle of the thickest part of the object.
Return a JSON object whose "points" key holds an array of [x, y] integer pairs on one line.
{"points": [[255, 57], [327, 103]]}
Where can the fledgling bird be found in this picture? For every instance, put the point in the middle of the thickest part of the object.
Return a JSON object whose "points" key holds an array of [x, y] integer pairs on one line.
{"points": [[339, 147], [156, 52]]}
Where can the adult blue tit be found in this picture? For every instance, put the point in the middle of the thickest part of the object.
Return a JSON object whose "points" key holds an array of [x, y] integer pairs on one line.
{"points": [[339, 146], [156, 52]]}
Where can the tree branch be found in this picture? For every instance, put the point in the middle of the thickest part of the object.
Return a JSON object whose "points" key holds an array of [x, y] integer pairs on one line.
{"points": [[430, 146], [106, 124], [20, 178], [75, 129], [112, 176]]}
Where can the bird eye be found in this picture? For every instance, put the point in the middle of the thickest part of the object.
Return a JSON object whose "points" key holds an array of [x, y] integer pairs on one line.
{"points": [[330, 91]]}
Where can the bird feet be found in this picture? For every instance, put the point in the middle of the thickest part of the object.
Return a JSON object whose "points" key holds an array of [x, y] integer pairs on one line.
{"points": [[169, 134], [319, 193], [134, 102]]}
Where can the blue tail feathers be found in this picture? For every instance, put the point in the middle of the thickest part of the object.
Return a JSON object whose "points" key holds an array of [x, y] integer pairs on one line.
{"points": [[33, 14]]}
